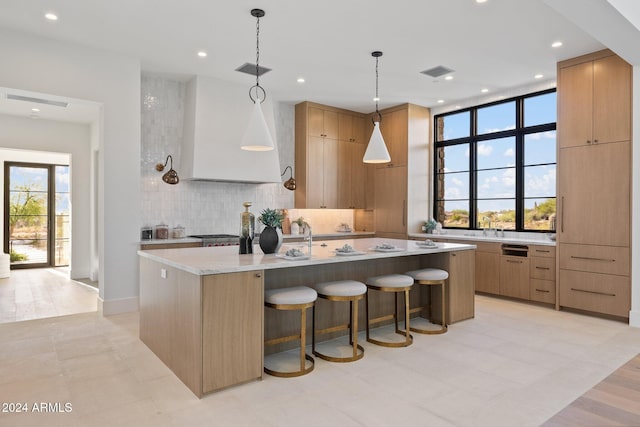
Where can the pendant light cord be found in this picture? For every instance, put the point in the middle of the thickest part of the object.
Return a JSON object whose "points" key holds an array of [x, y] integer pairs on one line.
{"points": [[257, 51], [257, 13], [377, 98]]}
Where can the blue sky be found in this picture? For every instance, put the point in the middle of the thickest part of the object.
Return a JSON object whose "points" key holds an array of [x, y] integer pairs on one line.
{"points": [[36, 178]]}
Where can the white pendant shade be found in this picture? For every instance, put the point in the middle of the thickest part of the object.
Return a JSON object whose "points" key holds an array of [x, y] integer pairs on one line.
{"points": [[257, 136], [376, 150]]}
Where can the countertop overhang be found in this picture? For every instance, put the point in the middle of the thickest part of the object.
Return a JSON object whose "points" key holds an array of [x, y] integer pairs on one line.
{"points": [[543, 241], [226, 259]]}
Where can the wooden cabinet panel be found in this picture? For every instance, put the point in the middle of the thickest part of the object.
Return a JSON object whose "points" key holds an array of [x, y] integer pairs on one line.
{"points": [[575, 100], [391, 200], [315, 173], [487, 272], [594, 102], [461, 286], [322, 123], [543, 268], [611, 100], [330, 174], [351, 128], [543, 291], [232, 328], [395, 131], [596, 259], [594, 194], [358, 179], [542, 251], [602, 293], [344, 174], [514, 276]]}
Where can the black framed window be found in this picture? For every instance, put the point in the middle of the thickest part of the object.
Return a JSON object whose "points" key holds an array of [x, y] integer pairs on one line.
{"points": [[496, 165]]}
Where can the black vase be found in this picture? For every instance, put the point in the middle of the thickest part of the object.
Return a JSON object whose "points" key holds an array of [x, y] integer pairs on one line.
{"points": [[270, 240]]}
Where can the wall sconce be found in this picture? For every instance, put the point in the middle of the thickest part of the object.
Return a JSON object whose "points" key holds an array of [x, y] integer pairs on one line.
{"points": [[171, 177], [289, 184]]}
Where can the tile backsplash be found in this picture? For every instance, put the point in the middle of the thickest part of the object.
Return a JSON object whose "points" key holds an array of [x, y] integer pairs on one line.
{"points": [[200, 206]]}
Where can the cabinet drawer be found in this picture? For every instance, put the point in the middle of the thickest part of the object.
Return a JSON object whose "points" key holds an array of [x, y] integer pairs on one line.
{"points": [[595, 259], [488, 247], [543, 291], [600, 293], [543, 268], [542, 251]]}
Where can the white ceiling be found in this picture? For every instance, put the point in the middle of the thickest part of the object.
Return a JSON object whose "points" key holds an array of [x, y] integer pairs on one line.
{"points": [[498, 45]]}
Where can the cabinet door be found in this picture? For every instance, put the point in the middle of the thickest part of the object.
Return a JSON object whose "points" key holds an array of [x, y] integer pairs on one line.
{"points": [[330, 168], [345, 127], [514, 277], [358, 176], [322, 123], [315, 173], [391, 200], [358, 132], [488, 272], [232, 329], [594, 194], [395, 132], [575, 101], [344, 174], [611, 100], [461, 287]]}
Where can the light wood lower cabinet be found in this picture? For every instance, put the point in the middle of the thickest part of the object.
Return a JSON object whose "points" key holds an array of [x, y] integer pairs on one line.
{"points": [[488, 272], [461, 285], [601, 293], [514, 276], [207, 329]]}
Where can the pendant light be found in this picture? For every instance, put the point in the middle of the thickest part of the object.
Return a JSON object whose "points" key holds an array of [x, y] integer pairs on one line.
{"points": [[376, 150], [257, 136]]}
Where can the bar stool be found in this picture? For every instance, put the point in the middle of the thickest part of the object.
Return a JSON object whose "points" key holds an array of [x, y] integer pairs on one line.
{"points": [[395, 283], [431, 277], [295, 298], [341, 290]]}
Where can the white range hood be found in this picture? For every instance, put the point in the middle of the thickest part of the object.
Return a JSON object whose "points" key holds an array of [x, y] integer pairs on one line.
{"points": [[215, 118]]}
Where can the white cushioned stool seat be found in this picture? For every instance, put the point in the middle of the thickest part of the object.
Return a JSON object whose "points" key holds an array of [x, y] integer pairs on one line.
{"points": [[391, 281], [341, 288], [294, 295], [428, 274]]}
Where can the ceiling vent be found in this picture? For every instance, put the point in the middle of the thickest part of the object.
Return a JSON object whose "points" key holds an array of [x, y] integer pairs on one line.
{"points": [[37, 100], [437, 71], [251, 69]]}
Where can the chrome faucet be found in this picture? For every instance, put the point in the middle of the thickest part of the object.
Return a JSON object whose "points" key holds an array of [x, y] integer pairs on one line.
{"points": [[309, 238], [484, 230]]}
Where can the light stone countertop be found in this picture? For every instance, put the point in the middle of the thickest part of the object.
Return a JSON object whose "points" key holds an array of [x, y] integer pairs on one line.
{"points": [[225, 259], [320, 236], [170, 241], [543, 240]]}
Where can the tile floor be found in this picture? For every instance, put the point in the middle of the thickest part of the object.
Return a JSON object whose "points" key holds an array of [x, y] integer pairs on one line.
{"points": [[514, 364], [43, 292]]}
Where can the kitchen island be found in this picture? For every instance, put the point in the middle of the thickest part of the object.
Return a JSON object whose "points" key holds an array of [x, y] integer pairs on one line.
{"points": [[202, 313]]}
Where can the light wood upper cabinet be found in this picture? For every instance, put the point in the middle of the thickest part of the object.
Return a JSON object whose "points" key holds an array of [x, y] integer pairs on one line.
{"points": [[351, 128], [391, 200], [594, 100], [328, 171], [323, 123], [594, 194], [395, 131]]}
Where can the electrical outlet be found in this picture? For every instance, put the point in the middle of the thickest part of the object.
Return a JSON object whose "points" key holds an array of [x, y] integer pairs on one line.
{"points": [[163, 273]]}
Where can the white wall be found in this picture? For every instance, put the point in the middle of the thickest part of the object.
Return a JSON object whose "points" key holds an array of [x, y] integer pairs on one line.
{"points": [[44, 136], [51, 67]]}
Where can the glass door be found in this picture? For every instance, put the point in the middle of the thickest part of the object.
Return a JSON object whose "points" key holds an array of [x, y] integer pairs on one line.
{"points": [[37, 211]]}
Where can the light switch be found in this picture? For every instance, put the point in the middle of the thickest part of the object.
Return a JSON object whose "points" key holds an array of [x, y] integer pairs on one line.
{"points": [[163, 273]]}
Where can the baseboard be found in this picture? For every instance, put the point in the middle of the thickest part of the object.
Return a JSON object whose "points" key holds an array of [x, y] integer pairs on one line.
{"points": [[117, 306], [634, 318]]}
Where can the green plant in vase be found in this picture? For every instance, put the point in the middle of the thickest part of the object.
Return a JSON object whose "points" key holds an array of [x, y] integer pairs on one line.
{"points": [[271, 237]]}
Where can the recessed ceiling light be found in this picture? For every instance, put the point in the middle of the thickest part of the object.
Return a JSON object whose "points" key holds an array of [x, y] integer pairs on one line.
{"points": [[556, 44], [484, 90], [440, 101], [35, 110], [481, 1], [300, 80], [538, 76], [458, 107], [376, 99], [51, 16], [449, 78], [202, 54]]}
